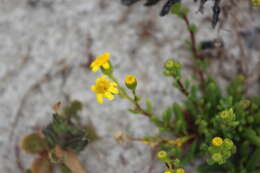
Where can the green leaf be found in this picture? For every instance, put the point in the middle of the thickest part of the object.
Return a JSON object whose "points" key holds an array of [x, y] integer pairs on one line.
{"points": [[167, 114], [254, 160], [205, 168], [191, 152], [251, 136], [133, 111], [176, 8], [179, 10], [149, 106], [178, 112], [193, 28]]}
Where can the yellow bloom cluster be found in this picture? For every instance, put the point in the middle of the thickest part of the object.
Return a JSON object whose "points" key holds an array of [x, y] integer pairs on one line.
{"points": [[217, 141], [104, 88]]}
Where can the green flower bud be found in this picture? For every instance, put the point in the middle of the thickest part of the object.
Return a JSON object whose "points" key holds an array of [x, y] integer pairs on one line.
{"points": [[162, 155], [172, 65], [228, 143], [217, 157]]}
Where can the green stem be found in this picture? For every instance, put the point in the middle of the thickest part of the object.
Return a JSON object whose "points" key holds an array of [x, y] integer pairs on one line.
{"points": [[122, 90], [186, 93], [132, 100]]}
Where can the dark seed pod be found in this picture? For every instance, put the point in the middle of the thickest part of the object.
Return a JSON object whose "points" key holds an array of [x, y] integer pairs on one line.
{"points": [[129, 2], [216, 12], [151, 2], [167, 7]]}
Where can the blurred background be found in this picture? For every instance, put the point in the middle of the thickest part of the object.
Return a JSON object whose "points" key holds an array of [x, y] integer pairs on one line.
{"points": [[46, 46]]}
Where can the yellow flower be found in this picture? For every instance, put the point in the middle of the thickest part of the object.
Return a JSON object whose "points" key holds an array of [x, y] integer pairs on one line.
{"points": [[104, 89], [101, 61], [217, 141], [180, 170]]}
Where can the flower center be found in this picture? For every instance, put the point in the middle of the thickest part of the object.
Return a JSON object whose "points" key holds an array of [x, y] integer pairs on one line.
{"points": [[102, 86]]}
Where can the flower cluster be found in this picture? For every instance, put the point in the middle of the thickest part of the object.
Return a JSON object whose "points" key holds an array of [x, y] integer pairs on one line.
{"points": [[172, 68], [211, 121], [173, 165], [105, 87], [220, 150]]}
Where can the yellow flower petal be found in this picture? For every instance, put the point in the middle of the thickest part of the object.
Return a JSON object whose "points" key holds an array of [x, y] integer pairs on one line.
{"points": [[95, 68], [100, 98], [101, 61], [106, 66], [113, 90], [93, 88], [109, 96], [113, 84], [106, 56]]}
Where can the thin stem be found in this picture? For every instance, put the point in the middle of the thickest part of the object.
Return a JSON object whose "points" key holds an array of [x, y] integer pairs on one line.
{"points": [[139, 107], [122, 90], [195, 50], [182, 88], [185, 92], [134, 100]]}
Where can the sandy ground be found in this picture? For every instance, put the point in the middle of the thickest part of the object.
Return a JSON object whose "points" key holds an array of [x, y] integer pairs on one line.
{"points": [[43, 51]]}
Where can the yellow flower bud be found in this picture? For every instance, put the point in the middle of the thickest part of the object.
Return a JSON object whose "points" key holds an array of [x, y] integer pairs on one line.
{"points": [[180, 170], [130, 82], [217, 157], [217, 141], [168, 171]]}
